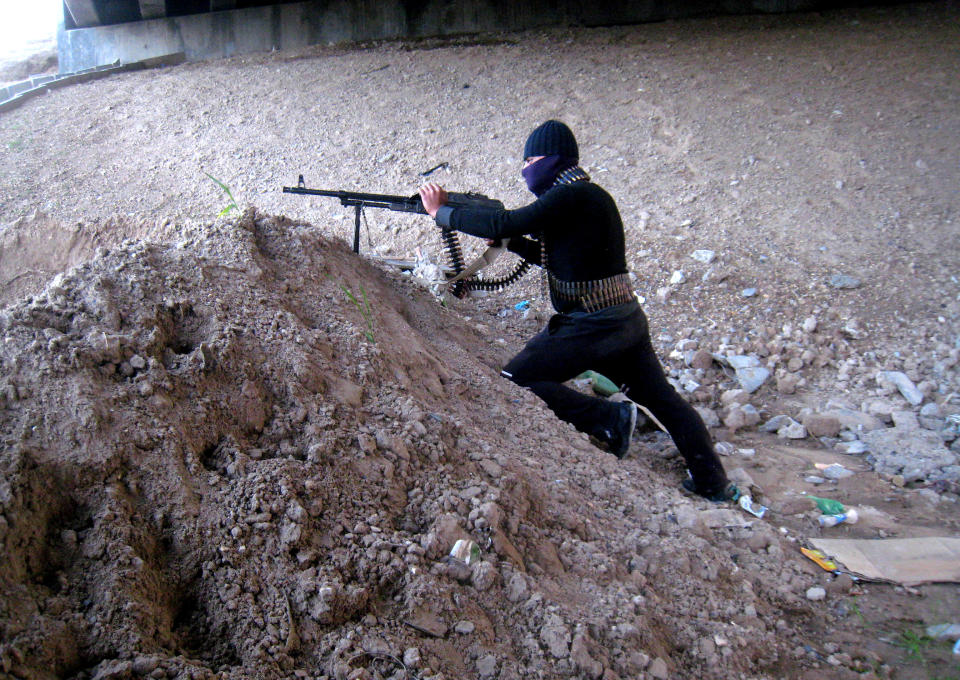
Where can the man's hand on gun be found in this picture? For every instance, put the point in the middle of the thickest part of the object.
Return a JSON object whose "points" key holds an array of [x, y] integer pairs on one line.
{"points": [[434, 197]]}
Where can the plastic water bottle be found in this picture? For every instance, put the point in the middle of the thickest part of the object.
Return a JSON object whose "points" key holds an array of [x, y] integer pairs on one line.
{"points": [[849, 516]]}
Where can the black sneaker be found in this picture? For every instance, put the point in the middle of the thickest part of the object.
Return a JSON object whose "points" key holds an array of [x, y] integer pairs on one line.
{"points": [[730, 492], [618, 440]]}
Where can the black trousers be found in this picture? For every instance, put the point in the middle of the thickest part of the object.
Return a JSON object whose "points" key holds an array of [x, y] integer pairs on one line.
{"points": [[615, 342]]}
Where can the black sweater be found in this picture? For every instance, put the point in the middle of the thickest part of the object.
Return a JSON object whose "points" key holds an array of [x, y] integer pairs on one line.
{"points": [[580, 222]]}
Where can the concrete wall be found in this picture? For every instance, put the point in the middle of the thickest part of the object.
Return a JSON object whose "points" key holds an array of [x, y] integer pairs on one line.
{"points": [[295, 25]]}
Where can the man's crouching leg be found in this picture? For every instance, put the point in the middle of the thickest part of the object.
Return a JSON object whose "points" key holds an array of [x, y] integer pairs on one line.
{"points": [[612, 423]]}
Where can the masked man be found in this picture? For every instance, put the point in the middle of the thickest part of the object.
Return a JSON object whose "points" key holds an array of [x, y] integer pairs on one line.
{"points": [[574, 232]]}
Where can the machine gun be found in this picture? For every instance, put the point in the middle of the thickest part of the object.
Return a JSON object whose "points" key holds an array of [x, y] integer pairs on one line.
{"points": [[462, 280]]}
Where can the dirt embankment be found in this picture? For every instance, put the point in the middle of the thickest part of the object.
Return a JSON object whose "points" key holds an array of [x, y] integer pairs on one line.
{"points": [[210, 469]]}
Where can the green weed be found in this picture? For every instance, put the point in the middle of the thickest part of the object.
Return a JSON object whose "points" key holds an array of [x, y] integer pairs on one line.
{"points": [[913, 644], [364, 308], [855, 608], [232, 205], [20, 141]]}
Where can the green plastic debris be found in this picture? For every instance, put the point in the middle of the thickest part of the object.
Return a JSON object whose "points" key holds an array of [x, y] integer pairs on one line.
{"points": [[601, 384], [828, 506]]}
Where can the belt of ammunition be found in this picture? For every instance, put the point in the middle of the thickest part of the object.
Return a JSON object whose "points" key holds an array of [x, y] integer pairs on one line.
{"points": [[592, 296]]}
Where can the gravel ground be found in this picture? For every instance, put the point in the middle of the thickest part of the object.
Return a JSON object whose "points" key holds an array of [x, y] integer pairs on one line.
{"points": [[216, 465]]}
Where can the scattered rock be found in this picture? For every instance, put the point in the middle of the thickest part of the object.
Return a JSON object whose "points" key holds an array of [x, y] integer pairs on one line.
{"points": [[709, 416], [776, 423], [465, 627], [816, 594], [724, 448], [836, 472], [236, 354], [113, 670], [880, 409], [931, 417], [374, 644], [411, 658], [820, 425], [741, 478], [704, 256], [581, 658], [751, 378], [787, 384], [844, 282], [911, 452], [902, 383], [738, 361], [487, 667], [428, 621], [855, 421], [484, 575], [852, 448], [658, 669], [793, 430], [841, 585], [736, 417], [731, 397], [905, 420], [700, 359], [444, 534], [517, 588], [145, 665], [556, 636], [722, 517]]}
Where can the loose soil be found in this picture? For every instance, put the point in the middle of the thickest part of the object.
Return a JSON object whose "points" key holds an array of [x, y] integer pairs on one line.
{"points": [[233, 448]]}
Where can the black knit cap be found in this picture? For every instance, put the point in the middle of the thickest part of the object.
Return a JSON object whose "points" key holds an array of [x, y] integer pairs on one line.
{"points": [[552, 138]]}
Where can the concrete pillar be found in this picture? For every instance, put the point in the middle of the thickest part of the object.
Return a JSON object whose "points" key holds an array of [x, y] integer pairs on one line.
{"points": [[83, 12], [153, 9]]}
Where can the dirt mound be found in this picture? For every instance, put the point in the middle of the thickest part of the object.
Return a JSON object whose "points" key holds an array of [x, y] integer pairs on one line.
{"points": [[35, 248], [210, 469]]}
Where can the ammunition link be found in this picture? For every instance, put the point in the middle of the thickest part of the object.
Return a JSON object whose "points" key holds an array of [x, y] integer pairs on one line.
{"points": [[592, 296], [459, 289]]}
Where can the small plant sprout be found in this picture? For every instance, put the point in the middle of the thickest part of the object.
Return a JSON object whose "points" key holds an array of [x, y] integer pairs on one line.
{"points": [[364, 308], [913, 644], [232, 205]]}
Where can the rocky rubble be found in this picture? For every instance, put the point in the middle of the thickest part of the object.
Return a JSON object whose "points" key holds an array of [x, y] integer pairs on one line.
{"points": [[905, 424]]}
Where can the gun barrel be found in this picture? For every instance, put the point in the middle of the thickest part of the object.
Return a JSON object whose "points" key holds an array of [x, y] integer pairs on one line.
{"points": [[353, 198]]}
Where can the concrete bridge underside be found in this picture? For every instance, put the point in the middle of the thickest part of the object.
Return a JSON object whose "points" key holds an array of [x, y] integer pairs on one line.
{"points": [[98, 32]]}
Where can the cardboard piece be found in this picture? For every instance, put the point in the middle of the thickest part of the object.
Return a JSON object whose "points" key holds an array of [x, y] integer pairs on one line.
{"points": [[908, 561]]}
